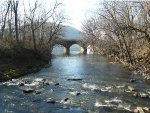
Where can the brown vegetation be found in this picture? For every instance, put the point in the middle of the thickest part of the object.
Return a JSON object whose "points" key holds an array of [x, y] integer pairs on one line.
{"points": [[121, 30]]}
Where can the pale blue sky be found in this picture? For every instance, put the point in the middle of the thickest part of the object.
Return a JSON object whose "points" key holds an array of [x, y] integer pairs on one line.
{"points": [[78, 10], [75, 10]]}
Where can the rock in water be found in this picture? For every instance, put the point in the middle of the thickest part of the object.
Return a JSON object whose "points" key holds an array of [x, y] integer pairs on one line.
{"points": [[66, 99], [28, 90], [140, 110], [21, 84], [57, 84], [130, 88], [75, 93], [40, 80], [50, 100], [78, 94], [74, 79], [38, 92], [133, 80], [146, 109], [136, 111], [135, 94], [143, 95]]}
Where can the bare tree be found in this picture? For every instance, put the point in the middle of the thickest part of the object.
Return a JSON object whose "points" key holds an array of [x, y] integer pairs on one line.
{"points": [[4, 19], [15, 10]]}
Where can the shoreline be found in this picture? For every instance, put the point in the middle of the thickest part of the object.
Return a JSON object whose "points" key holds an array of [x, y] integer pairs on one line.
{"points": [[20, 65], [21, 71], [135, 68]]}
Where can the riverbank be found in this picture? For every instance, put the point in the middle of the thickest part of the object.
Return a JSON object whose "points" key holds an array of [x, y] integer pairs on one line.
{"points": [[142, 67], [19, 63]]}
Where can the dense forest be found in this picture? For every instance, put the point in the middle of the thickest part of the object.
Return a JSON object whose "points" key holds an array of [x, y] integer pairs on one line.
{"points": [[121, 30]]}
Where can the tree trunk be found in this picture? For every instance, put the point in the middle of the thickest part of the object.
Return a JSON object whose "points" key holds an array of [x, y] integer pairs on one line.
{"points": [[33, 36], [15, 7]]}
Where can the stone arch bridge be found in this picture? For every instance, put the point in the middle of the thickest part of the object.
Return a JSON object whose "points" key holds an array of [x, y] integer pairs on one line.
{"points": [[66, 43]]}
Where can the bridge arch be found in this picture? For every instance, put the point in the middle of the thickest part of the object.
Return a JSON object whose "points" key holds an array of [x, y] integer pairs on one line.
{"points": [[68, 43], [58, 49]]}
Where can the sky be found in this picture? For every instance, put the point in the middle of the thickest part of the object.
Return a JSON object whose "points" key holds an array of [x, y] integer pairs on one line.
{"points": [[78, 10]]}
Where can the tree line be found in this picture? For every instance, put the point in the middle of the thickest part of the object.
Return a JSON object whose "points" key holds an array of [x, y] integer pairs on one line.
{"points": [[121, 29]]}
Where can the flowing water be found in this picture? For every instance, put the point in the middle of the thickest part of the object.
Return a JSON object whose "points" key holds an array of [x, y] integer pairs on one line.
{"points": [[78, 84]]}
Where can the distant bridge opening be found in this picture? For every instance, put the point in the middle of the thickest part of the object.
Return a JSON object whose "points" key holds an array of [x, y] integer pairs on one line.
{"points": [[58, 50], [75, 49]]}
